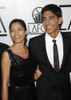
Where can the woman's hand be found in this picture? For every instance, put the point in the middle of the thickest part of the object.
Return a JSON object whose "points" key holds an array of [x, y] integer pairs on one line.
{"points": [[37, 73]]}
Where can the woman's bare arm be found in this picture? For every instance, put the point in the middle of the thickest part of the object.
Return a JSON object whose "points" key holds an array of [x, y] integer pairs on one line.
{"points": [[5, 66]]}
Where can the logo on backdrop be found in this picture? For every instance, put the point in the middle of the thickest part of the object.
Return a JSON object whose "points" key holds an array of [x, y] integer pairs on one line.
{"points": [[66, 25], [2, 26], [36, 15], [36, 27]]}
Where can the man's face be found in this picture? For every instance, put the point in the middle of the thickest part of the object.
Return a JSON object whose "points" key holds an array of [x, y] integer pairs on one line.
{"points": [[51, 23]]}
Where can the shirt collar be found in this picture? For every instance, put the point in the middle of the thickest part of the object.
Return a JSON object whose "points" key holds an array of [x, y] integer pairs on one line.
{"points": [[49, 38]]}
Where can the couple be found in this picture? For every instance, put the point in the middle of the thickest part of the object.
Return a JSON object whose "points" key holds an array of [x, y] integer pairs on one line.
{"points": [[18, 65]]}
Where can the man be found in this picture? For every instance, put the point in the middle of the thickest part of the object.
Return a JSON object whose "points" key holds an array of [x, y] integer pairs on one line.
{"points": [[53, 82], [2, 48]]}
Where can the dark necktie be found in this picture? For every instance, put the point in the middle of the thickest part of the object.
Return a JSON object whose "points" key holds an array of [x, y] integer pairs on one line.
{"points": [[56, 58]]}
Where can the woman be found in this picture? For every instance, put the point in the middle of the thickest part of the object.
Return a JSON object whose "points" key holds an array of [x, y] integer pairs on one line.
{"points": [[17, 68]]}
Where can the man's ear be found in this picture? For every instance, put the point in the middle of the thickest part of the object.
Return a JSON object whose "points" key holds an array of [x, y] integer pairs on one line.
{"points": [[60, 20]]}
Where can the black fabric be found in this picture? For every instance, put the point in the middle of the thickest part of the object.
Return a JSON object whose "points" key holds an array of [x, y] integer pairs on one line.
{"points": [[21, 78], [51, 85]]}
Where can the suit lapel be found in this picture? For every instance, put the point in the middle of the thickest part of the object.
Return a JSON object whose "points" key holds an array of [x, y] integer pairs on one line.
{"points": [[66, 47], [44, 53]]}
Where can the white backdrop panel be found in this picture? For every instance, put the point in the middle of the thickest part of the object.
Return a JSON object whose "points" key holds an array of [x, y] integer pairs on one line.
{"points": [[10, 9]]}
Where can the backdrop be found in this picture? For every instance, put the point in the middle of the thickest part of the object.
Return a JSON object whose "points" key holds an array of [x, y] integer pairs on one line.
{"points": [[29, 11]]}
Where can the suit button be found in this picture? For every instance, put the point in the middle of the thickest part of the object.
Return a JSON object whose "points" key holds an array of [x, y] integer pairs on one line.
{"points": [[57, 84]]}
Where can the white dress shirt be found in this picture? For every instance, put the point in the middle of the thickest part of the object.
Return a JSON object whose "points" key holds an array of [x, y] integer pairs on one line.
{"points": [[49, 48]]}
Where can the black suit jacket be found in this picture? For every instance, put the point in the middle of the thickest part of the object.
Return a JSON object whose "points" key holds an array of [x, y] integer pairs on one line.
{"points": [[51, 85]]}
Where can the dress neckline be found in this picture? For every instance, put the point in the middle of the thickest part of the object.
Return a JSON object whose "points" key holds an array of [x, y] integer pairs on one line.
{"points": [[20, 55]]}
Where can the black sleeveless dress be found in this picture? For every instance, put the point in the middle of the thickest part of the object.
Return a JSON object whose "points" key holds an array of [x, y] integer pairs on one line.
{"points": [[21, 78]]}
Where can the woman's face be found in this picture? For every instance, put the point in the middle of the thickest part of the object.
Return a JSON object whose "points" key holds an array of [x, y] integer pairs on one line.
{"points": [[17, 32]]}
